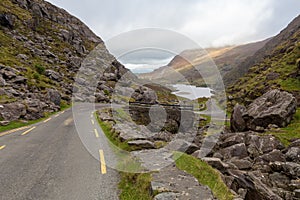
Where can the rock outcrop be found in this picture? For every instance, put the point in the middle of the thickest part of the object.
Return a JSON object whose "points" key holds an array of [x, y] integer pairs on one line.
{"points": [[171, 183], [273, 108], [44, 49], [256, 166]]}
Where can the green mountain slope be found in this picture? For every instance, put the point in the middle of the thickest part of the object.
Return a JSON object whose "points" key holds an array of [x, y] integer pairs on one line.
{"points": [[276, 65]]}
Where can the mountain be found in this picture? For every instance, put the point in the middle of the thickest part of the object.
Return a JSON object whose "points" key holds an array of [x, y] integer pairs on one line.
{"points": [[276, 65], [42, 48], [226, 58]]}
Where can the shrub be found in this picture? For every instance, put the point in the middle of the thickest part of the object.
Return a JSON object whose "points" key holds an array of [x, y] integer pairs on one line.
{"points": [[40, 69]]}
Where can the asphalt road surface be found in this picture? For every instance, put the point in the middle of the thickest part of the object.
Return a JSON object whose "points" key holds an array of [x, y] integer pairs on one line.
{"points": [[49, 160]]}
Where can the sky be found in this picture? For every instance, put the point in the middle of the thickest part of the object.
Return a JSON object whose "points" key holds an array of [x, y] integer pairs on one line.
{"points": [[210, 23]]}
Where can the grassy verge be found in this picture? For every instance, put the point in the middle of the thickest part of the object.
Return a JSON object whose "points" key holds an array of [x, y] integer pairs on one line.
{"points": [[204, 173], [292, 131], [19, 123], [111, 136], [132, 185], [135, 186]]}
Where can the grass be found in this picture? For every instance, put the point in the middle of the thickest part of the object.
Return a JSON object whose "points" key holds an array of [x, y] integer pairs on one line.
{"points": [[292, 131], [132, 185], [7, 6], [17, 124], [204, 173], [135, 186], [6, 99], [111, 136], [290, 84], [203, 123]]}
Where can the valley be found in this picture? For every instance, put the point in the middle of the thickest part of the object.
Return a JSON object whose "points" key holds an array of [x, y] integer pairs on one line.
{"points": [[75, 123]]}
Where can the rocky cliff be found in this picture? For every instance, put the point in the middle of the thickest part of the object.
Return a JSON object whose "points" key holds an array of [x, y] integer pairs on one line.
{"points": [[42, 48]]}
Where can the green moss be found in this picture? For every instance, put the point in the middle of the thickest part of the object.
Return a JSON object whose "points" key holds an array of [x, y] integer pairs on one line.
{"points": [[204, 173], [40, 69], [203, 123], [64, 105], [6, 99], [290, 84], [291, 132], [6, 6]]}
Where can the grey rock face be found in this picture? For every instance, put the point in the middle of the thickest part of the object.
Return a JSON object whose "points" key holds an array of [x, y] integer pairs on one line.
{"points": [[258, 166], [237, 150], [6, 20], [2, 81], [216, 163], [274, 107], [12, 111], [141, 144], [183, 146], [293, 154], [53, 75], [144, 95], [167, 196], [54, 96], [238, 123], [171, 182]]}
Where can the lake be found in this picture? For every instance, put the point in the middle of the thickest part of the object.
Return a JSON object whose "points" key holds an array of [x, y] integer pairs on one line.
{"points": [[192, 92]]}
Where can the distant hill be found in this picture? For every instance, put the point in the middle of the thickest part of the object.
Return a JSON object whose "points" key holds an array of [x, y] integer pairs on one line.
{"points": [[276, 65], [226, 58]]}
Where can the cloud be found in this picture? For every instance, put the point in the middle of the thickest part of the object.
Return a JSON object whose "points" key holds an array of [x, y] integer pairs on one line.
{"points": [[208, 22], [219, 23]]}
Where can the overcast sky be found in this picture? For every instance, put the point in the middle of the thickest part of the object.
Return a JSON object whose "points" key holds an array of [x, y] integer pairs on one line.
{"points": [[208, 22]]}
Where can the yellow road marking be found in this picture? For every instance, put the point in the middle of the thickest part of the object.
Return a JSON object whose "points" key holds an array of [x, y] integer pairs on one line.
{"points": [[2, 147], [102, 162], [56, 115], [28, 131], [96, 133], [93, 122], [62, 112], [47, 120], [12, 131], [92, 115]]}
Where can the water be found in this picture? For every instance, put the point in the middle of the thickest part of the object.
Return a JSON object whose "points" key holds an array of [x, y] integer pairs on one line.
{"points": [[192, 92]]}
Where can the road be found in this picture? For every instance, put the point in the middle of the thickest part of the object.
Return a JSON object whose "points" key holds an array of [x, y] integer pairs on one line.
{"points": [[48, 160]]}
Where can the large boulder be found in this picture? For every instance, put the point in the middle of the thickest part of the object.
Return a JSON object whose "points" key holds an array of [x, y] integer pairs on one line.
{"points": [[238, 123], [54, 96], [253, 183], [274, 107], [12, 111], [237, 150], [144, 95]]}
